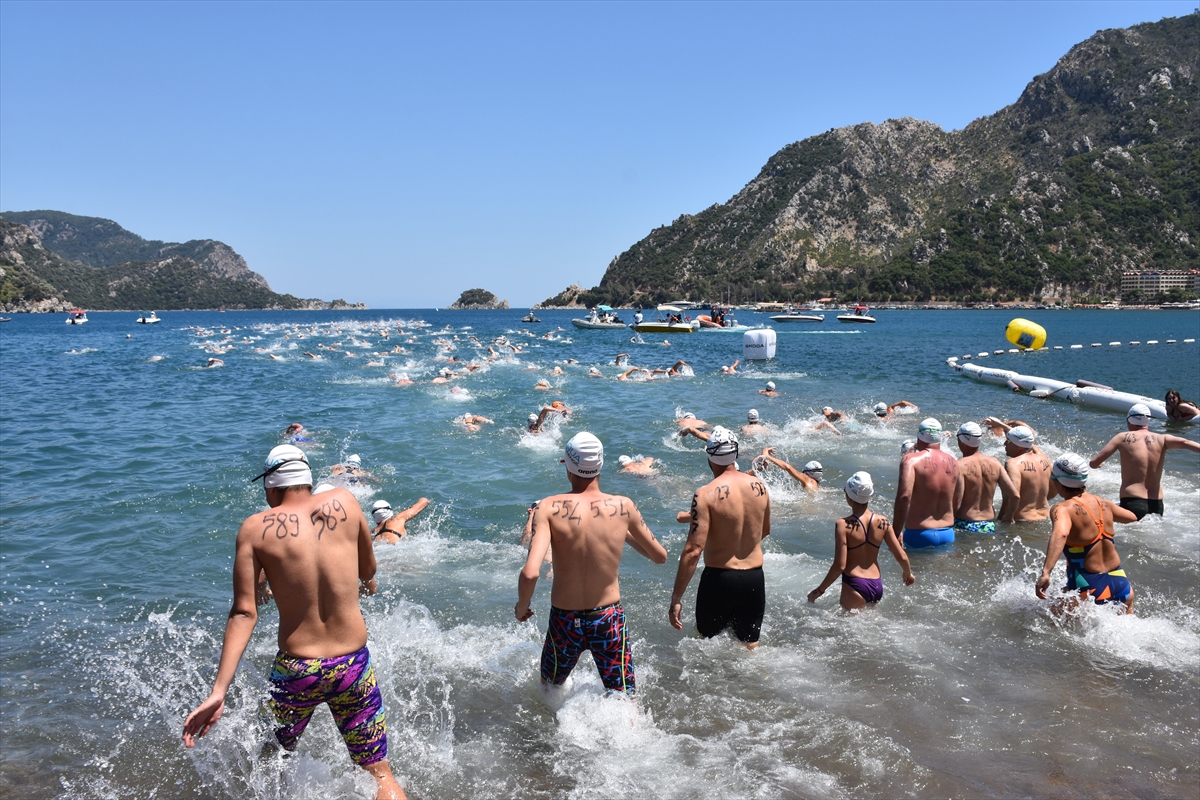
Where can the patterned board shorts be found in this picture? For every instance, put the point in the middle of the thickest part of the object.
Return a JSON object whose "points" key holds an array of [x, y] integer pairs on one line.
{"points": [[600, 630]]}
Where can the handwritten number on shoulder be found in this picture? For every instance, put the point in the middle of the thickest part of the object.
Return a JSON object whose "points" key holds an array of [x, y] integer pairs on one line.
{"points": [[612, 507], [759, 489], [722, 492]]}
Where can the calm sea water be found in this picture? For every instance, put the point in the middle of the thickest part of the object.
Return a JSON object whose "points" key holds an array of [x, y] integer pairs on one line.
{"points": [[125, 473]]}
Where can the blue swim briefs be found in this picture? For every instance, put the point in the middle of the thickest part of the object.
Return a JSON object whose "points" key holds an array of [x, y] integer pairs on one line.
{"points": [[927, 537]]}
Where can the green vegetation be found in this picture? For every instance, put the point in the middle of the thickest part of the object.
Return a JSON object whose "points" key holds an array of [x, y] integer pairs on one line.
{"points": [[475, 297]]}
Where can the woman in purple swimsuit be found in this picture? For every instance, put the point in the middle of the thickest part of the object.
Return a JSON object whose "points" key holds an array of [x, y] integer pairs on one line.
{"points": [[856, 549]]}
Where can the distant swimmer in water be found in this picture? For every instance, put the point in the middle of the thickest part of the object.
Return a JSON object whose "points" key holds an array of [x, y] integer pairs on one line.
{"points": [[1029, 470], [832, 416], [311, 355], [389, 524], [1083, 528], [594, 373], [315, 553], [622, 359], [729, 518], [924, 506], [769, 391], [556, 371], [536, 422], [588, 530], [401, 379], [296, 433], [445, 375], [214, 362], [1000, 429], [884, 411], [856, 547], [1143, 457], [731, 369], [645, 374], [687, 422], [351, 470], [637, 465], [472, 422], [975, 492], [809, 477], [681, 368], [543, 385], [754, 425], [1179, 409]]}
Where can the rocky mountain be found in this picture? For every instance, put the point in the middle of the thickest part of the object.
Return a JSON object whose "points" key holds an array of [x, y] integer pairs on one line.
{"points": [[477, 299], [86, 270], [1092, 171]]}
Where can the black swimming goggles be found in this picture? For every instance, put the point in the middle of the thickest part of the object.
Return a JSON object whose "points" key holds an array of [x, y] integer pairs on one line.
{"points": [[271, 469]]}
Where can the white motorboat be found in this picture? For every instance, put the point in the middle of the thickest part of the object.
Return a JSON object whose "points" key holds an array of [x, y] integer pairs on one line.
{"points": [[798, 315], [149, 320], [673, 323], [77, 317], [601, 318], [530, 318], [861, 314]]}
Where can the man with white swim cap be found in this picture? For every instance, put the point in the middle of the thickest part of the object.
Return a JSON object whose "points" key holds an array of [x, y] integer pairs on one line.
{"points": [[315, 551], [588, 530], [1083, 528], [389, 523], [925, 495], [729, 518], [832, 416], [1143, 456], [636, 465], [809, 477], [753, 426], [770, 390], [975, 492], [1029, 470], [884, 411], [856, 546]]}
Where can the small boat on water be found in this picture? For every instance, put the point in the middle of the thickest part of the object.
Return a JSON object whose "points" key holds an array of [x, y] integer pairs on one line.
{"points": [[149, 320], [77, 317], [861, 314], [672, 323], [5, 319], [530, 318], [719, 318], [600, 318], [798, 315]]}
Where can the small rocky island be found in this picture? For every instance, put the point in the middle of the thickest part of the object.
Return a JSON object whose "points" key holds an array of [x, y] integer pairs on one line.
{"points": [[477, 299]]}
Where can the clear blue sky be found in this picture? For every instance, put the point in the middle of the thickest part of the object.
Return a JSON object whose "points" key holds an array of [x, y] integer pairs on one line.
{"points": [[399, 153]]}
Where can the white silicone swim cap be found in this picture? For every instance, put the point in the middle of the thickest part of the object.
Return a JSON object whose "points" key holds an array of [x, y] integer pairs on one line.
{"points": [[969, 433], [1071, 471], [752, 415], [860, 488], [828, 409], [907, 446], [1139, 416], [286, 465], [770, 386], [381, 510], [722, 447], [1021, 436], [929, 431], [585, 455], [880, 409], [813, 466], [688, 415], [354, 459]]}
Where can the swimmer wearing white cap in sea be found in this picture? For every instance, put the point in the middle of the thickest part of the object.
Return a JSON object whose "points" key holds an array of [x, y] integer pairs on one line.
{"points": [[636, 465], [835, 416], [754, 425], [1143, 456], [883, 411], [1083, 527], [390, 524], [1029, 470], [728, 520], [809, 477], [315, 551], [588, 530], [924, 507], [857, 539], [769, 391], [978, 476]]}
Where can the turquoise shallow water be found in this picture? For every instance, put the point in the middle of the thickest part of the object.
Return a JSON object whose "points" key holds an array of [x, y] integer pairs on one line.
{"points": [[124, 474]]}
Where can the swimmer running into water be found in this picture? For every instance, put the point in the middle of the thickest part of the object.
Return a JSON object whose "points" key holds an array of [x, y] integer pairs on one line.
{"points": [[390, 524], [856, 550]]}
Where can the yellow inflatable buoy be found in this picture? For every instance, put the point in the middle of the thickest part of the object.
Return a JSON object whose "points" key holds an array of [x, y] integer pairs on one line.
{"points": [[1025, 334]]}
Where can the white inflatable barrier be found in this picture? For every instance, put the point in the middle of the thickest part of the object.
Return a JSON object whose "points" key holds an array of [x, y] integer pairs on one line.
{"points": [[1080, 393], [758, 344]]}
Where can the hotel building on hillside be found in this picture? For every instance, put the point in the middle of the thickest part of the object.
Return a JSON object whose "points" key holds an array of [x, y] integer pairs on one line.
{"points": [[1150, 282]]}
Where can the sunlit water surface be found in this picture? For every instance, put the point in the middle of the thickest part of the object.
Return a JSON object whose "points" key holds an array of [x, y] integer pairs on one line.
{"points": [[125, 475]]}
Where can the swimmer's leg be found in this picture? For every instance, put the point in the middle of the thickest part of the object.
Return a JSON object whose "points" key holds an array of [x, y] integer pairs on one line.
{"points": [[389, 789], [1129, 602], [852, 600]]}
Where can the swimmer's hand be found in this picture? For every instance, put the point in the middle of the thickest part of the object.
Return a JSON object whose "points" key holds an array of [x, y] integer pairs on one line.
{"points": [[909, 578], [263, 594], [1043, 583], [675, 614], [815, 593], [522, 615], [684, 516], [367, 588], [200, 721]]}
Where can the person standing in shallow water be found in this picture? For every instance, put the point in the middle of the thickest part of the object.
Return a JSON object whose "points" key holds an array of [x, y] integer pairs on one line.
{"points": [[856, 549], [588, 530], [730, 517], [925, 496], [1143, 456], [316, 553]]}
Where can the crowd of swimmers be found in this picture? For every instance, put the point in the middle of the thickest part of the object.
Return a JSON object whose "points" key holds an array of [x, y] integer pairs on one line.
{"points": [[312, 551]]}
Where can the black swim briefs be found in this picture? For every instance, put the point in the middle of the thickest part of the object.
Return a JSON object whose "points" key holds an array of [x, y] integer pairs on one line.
{"points": [[1141, 506], [726, 597]]}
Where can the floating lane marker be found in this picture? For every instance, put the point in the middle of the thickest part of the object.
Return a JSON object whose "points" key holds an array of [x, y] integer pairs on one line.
{"points": [[997, 352], [1152, 341], [1076, 347], [983, 354], [1114, 344], [1170, 341], [1058, 347], [1097, 344], [1013, 350], [1188, 341], [1134, 344]]}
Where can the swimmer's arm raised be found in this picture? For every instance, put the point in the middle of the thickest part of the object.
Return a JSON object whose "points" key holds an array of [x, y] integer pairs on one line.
{"points": [[243, 616], [1058, 540], [413, 510], [527, 582], [688, 559], [638, 535], [839, 561]]}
